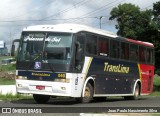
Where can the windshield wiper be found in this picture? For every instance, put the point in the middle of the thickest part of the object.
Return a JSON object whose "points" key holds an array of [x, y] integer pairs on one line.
{"points": [[37, 56]]}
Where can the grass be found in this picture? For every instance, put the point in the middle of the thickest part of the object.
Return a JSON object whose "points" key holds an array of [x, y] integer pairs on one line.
{"points": [[156, 93], [15, 97], [4, 81], [4, 57], [10, 67], [5, 78]]}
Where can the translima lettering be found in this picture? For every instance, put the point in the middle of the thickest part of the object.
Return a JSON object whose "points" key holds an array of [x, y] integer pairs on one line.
{"points": [[115, 68]]}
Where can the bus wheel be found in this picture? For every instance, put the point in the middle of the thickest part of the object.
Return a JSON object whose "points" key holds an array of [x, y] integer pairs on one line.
{"points": [[88, 94], [41, 98], [136, 94]]}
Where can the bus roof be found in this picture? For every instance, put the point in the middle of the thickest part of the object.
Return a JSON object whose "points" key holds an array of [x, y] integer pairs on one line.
{"points": [[75, 28], [141, 43], [70, 28]]}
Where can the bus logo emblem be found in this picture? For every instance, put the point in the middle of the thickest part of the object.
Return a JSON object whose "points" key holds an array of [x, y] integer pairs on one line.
{"points": [[37, 65]]}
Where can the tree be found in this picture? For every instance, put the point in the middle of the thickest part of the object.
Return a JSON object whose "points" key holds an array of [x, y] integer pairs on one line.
{"points": [[156, 13], [156, 23], [131, 21], [125, 15], [140, 25]]}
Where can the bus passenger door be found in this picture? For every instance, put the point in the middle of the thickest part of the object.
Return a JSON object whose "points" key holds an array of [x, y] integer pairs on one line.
{"points": [[79, 52]]}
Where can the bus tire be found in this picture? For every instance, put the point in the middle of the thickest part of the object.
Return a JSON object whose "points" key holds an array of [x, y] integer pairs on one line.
{"points": [[88, 94], [41, 98], [136, 94]]}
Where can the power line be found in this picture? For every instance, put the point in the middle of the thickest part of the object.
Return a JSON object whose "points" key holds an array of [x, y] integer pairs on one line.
{"points": [[81, 17], [14, 21], [101, 8], [76, 18], [66, 10]]}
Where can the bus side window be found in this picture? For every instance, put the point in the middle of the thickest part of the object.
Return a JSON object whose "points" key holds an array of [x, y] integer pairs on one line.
{"points": [[142, 54], [114, 49], [91, 46], [81, 40], [152, 56], [149, 56], [133, 56], [103, 47], [124, 51]]}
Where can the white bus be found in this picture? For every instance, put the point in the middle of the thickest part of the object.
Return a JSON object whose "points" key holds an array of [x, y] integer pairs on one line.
{"points": [[80, 62]]}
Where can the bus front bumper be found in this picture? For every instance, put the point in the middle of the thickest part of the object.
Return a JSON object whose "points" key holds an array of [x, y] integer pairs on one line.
{"points": [[43, 87]]}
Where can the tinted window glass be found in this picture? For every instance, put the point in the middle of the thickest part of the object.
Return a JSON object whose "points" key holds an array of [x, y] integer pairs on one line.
{"points": [[124, 51], [133, 52], [114, 49], [142, 54], [149, 56], [91, 46], [103, 45]]}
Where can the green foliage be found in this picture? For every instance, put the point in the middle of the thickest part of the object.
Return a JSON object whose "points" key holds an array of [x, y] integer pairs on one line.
{"points": [[156, 86], [4, 57], [131, 21], [156, 13], [4, 81], [125, 15], [156, 93], [157, 81], [10, 96], [10, 67], [140, 25]]}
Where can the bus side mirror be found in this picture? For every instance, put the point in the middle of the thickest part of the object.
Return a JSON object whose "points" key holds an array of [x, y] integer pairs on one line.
{"points": [[79, 54], [13, 47], [13, 50]]}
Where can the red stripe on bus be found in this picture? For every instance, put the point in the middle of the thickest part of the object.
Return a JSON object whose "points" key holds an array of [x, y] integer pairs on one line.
{"points": [[147, 76], [141, 42]]}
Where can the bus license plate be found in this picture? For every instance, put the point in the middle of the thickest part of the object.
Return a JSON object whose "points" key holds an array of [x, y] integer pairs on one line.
{"points": [[39, 87]]}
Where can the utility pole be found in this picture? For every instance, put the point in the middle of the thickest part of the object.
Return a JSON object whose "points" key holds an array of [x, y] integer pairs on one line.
{"points": [[100, 21], [10, 41]]}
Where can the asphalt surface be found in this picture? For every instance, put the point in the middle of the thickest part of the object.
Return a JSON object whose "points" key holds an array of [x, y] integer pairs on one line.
{"points": [[66, 105]]}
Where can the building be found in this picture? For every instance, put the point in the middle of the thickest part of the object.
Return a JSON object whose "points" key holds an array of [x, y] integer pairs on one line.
{"points": [[3, 49]]}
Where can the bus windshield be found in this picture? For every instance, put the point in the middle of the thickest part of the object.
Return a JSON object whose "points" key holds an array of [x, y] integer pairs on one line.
{"points": [[46, 47]]}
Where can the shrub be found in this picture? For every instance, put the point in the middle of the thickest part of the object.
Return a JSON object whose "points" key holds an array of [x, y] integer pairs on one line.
{"points": [[156, 84]]}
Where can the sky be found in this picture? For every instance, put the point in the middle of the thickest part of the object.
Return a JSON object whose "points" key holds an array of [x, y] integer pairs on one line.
{"points": [[17, 14]]}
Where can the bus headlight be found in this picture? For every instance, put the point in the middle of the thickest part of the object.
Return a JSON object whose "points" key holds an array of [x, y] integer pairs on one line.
{"points": [[62, 80], [21, 77]]}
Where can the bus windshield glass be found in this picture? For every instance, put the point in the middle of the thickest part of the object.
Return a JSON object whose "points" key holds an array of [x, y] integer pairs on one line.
{"points": [[46, 47]]}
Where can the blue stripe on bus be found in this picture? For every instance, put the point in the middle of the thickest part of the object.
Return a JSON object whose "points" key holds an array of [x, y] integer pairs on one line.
{"points": [[113, 76], [45, 76]]}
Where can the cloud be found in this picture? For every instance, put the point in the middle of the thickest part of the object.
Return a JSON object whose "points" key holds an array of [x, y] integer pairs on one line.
{"points": [[23, 11], [12, 9]]}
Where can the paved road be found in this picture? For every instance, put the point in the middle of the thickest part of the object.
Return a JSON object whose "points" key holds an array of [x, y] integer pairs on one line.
{"points": [[65, 105]]}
